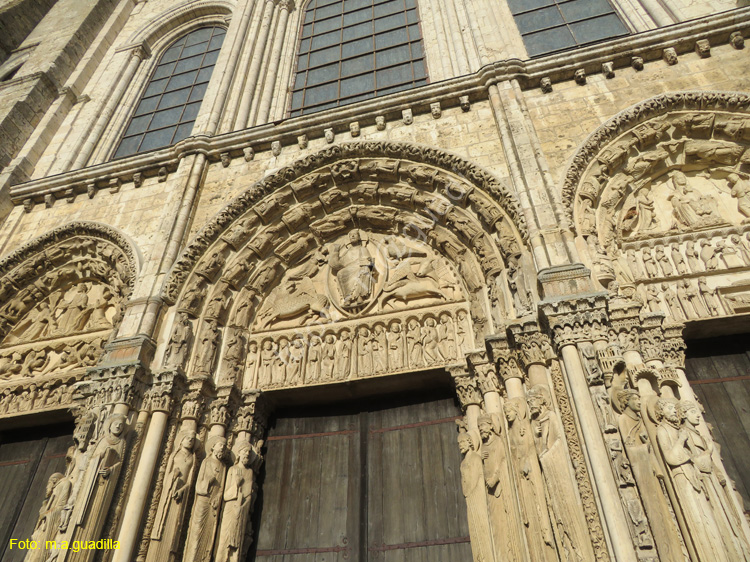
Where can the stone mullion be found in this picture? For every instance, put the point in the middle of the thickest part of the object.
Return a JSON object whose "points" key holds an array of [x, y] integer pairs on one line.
{"points": [[87, 142], [258, 47], [569, 329], [279, 37]]}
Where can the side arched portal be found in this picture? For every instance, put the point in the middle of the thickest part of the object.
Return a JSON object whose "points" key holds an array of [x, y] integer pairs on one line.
{"points": [[60, 299]]}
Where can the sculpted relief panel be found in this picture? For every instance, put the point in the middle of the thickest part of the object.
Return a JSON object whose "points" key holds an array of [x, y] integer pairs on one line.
{"points": [[665, 208], [60, 298], [338, 271]]}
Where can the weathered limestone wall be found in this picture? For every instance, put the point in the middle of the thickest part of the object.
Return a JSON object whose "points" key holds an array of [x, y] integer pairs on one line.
{"points": [[471, 134], [565, 117]]}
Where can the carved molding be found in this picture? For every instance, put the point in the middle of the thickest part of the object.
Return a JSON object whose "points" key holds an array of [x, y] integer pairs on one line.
{"points": [[588, 499], [470, 173], [70, 230], [639, 113]]}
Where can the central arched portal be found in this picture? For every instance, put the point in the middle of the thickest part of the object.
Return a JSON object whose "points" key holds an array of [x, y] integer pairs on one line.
{"points": [[352, 279]]}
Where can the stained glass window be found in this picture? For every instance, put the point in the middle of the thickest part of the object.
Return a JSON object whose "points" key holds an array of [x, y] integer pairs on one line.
{"points": [[167, 110], [351, 50]]}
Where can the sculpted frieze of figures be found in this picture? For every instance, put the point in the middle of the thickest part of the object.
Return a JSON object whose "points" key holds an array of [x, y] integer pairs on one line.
{"points": [[36, 397], [54, 358], [384, 344]]}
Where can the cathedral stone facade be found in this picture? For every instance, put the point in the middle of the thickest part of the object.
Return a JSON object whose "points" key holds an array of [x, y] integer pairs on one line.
{"points": [[431, 280]]}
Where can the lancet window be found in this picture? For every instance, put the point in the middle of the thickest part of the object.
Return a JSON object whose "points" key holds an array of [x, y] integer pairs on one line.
{"points": [[170, 103]]}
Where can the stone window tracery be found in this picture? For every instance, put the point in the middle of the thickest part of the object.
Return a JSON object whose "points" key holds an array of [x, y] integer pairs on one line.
{"points": [[355, 50], [548, 26], [170, 102]]}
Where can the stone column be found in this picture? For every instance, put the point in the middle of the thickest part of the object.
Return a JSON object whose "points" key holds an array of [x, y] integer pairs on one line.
{"points": [[258, 46], [269, 90], [571, 323], [159, 400], [86, 143]]}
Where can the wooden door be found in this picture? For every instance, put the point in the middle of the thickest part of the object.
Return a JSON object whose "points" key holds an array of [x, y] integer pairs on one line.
{"points": [[375, 483], [719, 373], [27, 459]]}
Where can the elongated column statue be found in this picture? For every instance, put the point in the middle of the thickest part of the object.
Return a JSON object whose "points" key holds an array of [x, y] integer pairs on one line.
{"points": [[239, 496], [205, 516], [699, 518], [501, 499], [714, 487], [472, 483], [98, 486], [573, 539], [174, 498], [647, 473], [534, 510]]}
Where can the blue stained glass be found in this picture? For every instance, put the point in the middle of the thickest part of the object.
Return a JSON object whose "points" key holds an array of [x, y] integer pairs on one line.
{"points": [[173, 96], [377, 42]]}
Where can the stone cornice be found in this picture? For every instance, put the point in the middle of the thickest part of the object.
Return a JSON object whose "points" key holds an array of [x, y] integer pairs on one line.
{"points": [[648, 45]]}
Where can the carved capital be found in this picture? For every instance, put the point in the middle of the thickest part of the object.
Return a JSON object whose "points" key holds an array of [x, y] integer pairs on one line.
{"points": [[534, 346], [505, 358], [467, 388], [161, 396], [252, 414], [577, 320], [484, 372], [651, 336], [673, 345], [119, 384]]}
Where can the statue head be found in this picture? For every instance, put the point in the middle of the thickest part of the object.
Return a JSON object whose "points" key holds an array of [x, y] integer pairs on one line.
{"points": [[116, 425], [354, 237], [52, 482], [732, 179], [187, 440], [666, 410], [538, 399], [629, 398], [679, 178], [217, 446], [689, 412], [512, 410], [243, 451]]}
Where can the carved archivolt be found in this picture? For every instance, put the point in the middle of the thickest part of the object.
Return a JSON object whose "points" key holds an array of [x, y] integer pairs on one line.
{"points": [[455, 165], [734, 102], [353, 257], [60, 298], [664, 205]]}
